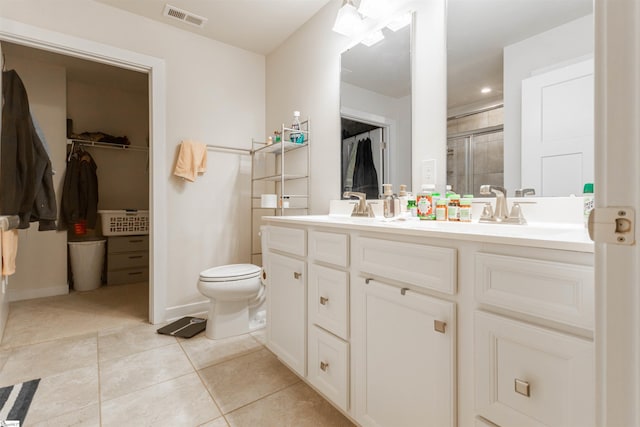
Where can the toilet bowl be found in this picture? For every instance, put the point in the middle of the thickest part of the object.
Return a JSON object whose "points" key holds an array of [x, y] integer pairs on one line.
{"points": [[236, 294]]}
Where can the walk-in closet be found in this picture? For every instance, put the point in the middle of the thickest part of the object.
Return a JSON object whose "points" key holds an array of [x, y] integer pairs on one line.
{"points": [[95, 120]]}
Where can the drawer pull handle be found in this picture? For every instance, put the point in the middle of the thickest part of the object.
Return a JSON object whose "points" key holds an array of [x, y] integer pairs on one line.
{"points": [[136, 241], [135, 256], [403, 291], [324, 366], [135, 273], [522, 387], [297, 275], [324, 300], [439, 326]]}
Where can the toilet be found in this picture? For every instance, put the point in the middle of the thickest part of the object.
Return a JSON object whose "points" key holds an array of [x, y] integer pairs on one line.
{"points": [[237, 299]]}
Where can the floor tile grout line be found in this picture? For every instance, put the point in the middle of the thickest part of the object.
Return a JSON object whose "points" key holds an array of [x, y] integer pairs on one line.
{"points": [[265, 396]]}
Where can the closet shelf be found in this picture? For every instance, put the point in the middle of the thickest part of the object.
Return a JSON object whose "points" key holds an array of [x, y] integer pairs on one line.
{"points": [[85, 143]]}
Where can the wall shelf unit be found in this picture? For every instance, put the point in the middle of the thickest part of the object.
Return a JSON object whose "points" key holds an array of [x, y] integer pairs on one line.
{"points": [[281, 168], [84, 143]]}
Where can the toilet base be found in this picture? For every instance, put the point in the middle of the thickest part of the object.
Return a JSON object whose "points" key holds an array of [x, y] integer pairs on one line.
{"points": [[227, 319]]}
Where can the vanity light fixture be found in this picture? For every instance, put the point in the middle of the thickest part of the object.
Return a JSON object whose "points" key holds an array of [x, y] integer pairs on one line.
{"points": [[373, 38], [485, 90], [348, 21], [399, 22], [375, 9]]}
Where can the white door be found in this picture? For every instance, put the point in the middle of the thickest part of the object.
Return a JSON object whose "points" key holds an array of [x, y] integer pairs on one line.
{"points": [[617, 334], [557, 130], [286, 314], [404, 368]]}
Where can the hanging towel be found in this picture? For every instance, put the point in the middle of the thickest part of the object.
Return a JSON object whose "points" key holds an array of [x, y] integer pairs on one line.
{"points": [[9, 251], [192, 160]]}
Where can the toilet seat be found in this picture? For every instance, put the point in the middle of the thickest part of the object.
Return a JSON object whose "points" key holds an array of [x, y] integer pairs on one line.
{"points": [[232, 272]]}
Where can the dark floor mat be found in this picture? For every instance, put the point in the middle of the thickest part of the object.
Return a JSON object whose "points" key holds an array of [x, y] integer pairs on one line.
{"points": [[185, 327]]}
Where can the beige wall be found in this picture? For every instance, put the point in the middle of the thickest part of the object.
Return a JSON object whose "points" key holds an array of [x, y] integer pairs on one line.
{"points": [[123, 176], [215, 93], [304, 74], [41, 264]]}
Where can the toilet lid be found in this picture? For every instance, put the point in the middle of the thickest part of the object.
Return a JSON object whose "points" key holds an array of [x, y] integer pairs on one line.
{"points": [[230, 272]]}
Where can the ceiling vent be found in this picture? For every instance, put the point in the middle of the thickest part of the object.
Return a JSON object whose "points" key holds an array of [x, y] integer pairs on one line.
{"points": [[184, 16]]}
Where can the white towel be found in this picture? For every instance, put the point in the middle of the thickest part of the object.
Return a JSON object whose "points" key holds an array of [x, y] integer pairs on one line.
{"points": [[192, 160]]}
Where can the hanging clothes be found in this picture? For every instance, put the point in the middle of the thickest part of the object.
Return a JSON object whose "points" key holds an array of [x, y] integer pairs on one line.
{"points": [[80, 191], [365, 177], [348, 178], [26, 175]]}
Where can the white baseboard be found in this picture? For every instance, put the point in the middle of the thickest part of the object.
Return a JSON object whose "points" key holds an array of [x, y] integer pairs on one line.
{"points": [[193, 309], [23, 294]]}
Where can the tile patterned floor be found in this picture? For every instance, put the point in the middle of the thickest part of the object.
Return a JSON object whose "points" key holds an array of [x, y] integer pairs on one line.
{"points": [[102, 364]]}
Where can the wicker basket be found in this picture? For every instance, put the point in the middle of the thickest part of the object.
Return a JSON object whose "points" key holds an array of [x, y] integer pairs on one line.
{"points": [[124, 222]]}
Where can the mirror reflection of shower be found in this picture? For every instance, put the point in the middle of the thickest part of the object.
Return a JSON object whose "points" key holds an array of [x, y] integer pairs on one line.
{"points": [[364, 157]]}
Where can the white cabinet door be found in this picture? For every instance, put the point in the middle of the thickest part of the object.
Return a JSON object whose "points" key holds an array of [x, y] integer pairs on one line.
{"points": [[404, 367], [557, 130], [286, 313]]}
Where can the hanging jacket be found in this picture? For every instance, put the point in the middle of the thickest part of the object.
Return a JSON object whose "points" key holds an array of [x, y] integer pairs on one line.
{"points": [[26, 175], [80, 191], [365, 177]]}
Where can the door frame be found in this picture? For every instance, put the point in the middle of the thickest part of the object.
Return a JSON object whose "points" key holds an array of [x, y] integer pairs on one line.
{"points": [[52, 41]]}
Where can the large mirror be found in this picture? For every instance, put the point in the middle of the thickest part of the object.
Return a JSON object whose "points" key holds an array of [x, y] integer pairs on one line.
{"points": [[375, 109], [520, 95]]}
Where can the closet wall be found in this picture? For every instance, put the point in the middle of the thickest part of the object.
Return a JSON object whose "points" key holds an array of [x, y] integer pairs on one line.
{"points": [[41, 264], [96, 100]]}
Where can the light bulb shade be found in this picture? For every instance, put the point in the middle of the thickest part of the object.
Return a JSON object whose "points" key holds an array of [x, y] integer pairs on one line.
{"points": [[348, 21], [373, 38], [374, 8]]}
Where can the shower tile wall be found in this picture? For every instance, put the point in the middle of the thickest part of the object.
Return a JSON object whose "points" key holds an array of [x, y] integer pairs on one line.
{"points": [[485, 151]]}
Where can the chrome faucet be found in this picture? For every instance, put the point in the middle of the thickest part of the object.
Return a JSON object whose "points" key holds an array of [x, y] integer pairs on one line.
{"points": [[500, 213], [362, 208], [523, 192]]}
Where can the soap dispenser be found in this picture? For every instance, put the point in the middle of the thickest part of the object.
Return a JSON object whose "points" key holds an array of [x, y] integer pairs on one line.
{"points": [[388, 201]]}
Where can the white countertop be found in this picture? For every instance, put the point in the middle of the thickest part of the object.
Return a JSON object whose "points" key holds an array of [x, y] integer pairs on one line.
{"points": [[570, 237]]}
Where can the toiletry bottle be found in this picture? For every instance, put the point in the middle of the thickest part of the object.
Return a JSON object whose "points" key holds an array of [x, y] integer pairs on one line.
{"points": [[423, 200], [412, 207], [388, 203], [449, 191], [441, 210], [454, 208], [434, 204], [587, 195], [297, 137], [464, 212], [403, 199]]}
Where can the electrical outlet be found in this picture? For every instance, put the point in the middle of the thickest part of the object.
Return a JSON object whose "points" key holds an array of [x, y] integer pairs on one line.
{"points": [[428, 172]]}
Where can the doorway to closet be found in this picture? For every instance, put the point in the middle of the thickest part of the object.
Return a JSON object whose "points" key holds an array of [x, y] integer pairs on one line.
{"points": [[79, 100]]}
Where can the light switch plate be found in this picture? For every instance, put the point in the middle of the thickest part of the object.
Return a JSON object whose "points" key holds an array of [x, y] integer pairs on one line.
{"points": [[428, 172]]}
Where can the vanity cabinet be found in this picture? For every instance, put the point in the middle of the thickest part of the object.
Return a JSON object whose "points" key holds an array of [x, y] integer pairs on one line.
{"points": [[403, 356], [286, 296], [328, 305]]}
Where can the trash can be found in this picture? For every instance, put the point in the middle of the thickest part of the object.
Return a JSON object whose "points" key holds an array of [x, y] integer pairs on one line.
{"points": [[87, 259]]}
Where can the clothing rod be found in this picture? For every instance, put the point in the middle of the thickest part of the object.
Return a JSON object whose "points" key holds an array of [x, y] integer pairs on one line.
{"points": [[222, 148], [83, 143]]}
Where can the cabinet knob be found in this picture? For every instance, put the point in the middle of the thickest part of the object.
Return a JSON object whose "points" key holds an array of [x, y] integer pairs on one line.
{"points": [[297, 275], [324, 366], [324, 300], [522, 387], [439, 326]]}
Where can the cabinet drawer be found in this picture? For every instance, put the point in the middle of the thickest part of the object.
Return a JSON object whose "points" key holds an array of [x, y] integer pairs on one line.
{"points": [[332, 248], [128, 244], [329, 366], [424, 266], [552, 290], [530, 376], [122, 260], [289, 240], [129, 275], [328, 299]]}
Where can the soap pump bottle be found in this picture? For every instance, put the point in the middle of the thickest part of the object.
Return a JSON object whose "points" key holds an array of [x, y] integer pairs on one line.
{"points": [[388, 201], [403, 199]]}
